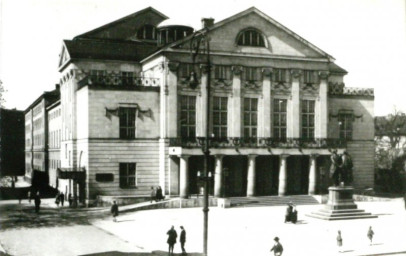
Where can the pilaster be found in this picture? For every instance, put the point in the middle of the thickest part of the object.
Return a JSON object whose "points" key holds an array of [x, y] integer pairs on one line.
{"points": [[265, 121], [251, 175], [312, 174], [218, 176], [323, 105], [294, 108], [236, 106], [172, 99], [184, 176], [282, 175]]}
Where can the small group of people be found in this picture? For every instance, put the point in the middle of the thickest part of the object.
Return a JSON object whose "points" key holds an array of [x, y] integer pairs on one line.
{"points": [[291, 213], [341, 168], [370, 235], [156, 194], [172, 236]]}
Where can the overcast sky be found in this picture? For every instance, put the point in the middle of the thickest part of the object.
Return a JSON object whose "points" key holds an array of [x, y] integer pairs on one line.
{"points": [[366, 37]]}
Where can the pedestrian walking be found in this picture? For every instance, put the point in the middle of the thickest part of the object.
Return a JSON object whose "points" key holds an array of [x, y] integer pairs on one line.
{"points": [[153, 194], [159, 194], [62, 198], [182, 239], [70, 199], [37, 202], [29, 196], [57, 199], [114, 211], [172, 235], [339, 241], [277, 247], [370, 235]]}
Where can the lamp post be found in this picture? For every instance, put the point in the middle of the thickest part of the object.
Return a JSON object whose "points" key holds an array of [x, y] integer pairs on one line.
{"points": [[197, 39]]}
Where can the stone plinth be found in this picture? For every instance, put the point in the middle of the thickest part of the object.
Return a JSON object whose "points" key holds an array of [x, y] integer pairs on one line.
{"points": [[341, 206]]}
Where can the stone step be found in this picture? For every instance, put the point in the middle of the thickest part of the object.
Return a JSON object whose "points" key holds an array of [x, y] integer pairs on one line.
{"points": [[352, 217], [319, 213], [272, 201], [341, 211]]}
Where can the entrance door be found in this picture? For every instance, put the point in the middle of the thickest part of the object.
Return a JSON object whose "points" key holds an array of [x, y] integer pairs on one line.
{"points": [[235, 175], [267, 175], [298, 175]]}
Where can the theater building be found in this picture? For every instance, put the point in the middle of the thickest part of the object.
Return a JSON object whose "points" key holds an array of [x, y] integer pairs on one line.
{"points": [[278, 105]]}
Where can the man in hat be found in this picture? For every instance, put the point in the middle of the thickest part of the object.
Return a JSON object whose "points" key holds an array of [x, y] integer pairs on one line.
{"points": [[182, 239], [277, 248]]}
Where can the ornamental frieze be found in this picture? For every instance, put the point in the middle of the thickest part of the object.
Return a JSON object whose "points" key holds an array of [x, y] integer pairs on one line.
{"points": [[309, 89], [253, 85], [221, 83], [281, 88]]}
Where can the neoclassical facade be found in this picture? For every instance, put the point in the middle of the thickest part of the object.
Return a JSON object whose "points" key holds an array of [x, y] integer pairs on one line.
{"points": [[278, 106]]}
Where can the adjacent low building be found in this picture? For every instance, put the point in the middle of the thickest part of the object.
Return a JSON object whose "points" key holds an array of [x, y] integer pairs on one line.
{"points": [[129, 118]]}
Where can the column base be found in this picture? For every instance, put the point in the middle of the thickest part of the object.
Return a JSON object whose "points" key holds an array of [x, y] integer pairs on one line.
{"points": [[341, 206]]}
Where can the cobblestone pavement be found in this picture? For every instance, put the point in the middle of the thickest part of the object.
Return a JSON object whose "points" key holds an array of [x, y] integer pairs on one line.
{"points": [[236, 231]]}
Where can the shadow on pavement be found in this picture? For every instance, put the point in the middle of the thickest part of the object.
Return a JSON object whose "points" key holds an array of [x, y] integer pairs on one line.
{"points": [[26, 217], [116, 253]]}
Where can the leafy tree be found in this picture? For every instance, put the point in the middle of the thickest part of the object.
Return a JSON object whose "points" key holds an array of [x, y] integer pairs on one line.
{"points": [[390, 150]]}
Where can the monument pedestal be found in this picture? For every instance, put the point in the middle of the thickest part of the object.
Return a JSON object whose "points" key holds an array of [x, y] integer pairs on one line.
{"points": [[341, 206]]}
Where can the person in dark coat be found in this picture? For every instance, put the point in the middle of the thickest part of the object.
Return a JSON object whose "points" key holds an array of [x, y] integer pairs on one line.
{"points": [[57, 199], [153, 194], [70, 199], [172, 235], [294, 215], [37, 202], [159, 195], [339, 241], [114, 211], [62, 198], [288, 213], [370, 235], [182, 239], [277, 248], [29, 196]]}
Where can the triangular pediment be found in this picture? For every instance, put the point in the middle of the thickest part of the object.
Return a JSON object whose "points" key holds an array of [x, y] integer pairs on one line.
{"points": [[63, 56], [279, 40], [125, 28]]}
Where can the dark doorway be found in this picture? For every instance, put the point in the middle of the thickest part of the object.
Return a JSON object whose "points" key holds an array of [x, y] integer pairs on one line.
{"points": [[196, 164], [235, 175], [267, 175], [297, 175]]}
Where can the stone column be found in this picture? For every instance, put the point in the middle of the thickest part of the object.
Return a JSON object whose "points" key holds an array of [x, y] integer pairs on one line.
{"points": [[251, 175], [323, 106], [266, 104], [282, 175], [201, 110], [295, 105], [218, 176], [184, 176], [172, 99], [236, 106], [312, 174]]}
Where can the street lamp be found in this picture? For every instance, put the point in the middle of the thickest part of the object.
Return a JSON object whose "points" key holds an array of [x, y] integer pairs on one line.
{"points": [[197, 39]]}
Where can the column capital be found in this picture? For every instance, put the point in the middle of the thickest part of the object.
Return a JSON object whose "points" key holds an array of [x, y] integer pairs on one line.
{"points": [[237, 70], [173, 66], [185, 157], [323, 74], [267, 72], [219, 156], [205, 68], [314, 156], [296, 73], [252, 156], [284, 156]]}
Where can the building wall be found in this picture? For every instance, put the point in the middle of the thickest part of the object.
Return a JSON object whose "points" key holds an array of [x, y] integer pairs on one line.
{"points": [[54, 143], [11, 142]]}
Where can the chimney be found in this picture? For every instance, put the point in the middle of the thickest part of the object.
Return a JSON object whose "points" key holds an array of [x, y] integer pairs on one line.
{"points": [[207, 22]]}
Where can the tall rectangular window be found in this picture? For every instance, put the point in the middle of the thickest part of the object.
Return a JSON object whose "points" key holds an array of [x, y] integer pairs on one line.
{"points": [[345, 122], [279, 75], [250, 117], [279, 118], [310, 77], [127, 123], [308, 119], [222, 72], [188, 116], [128, 175], [252, 74], [220, 117], [97, 75]]}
